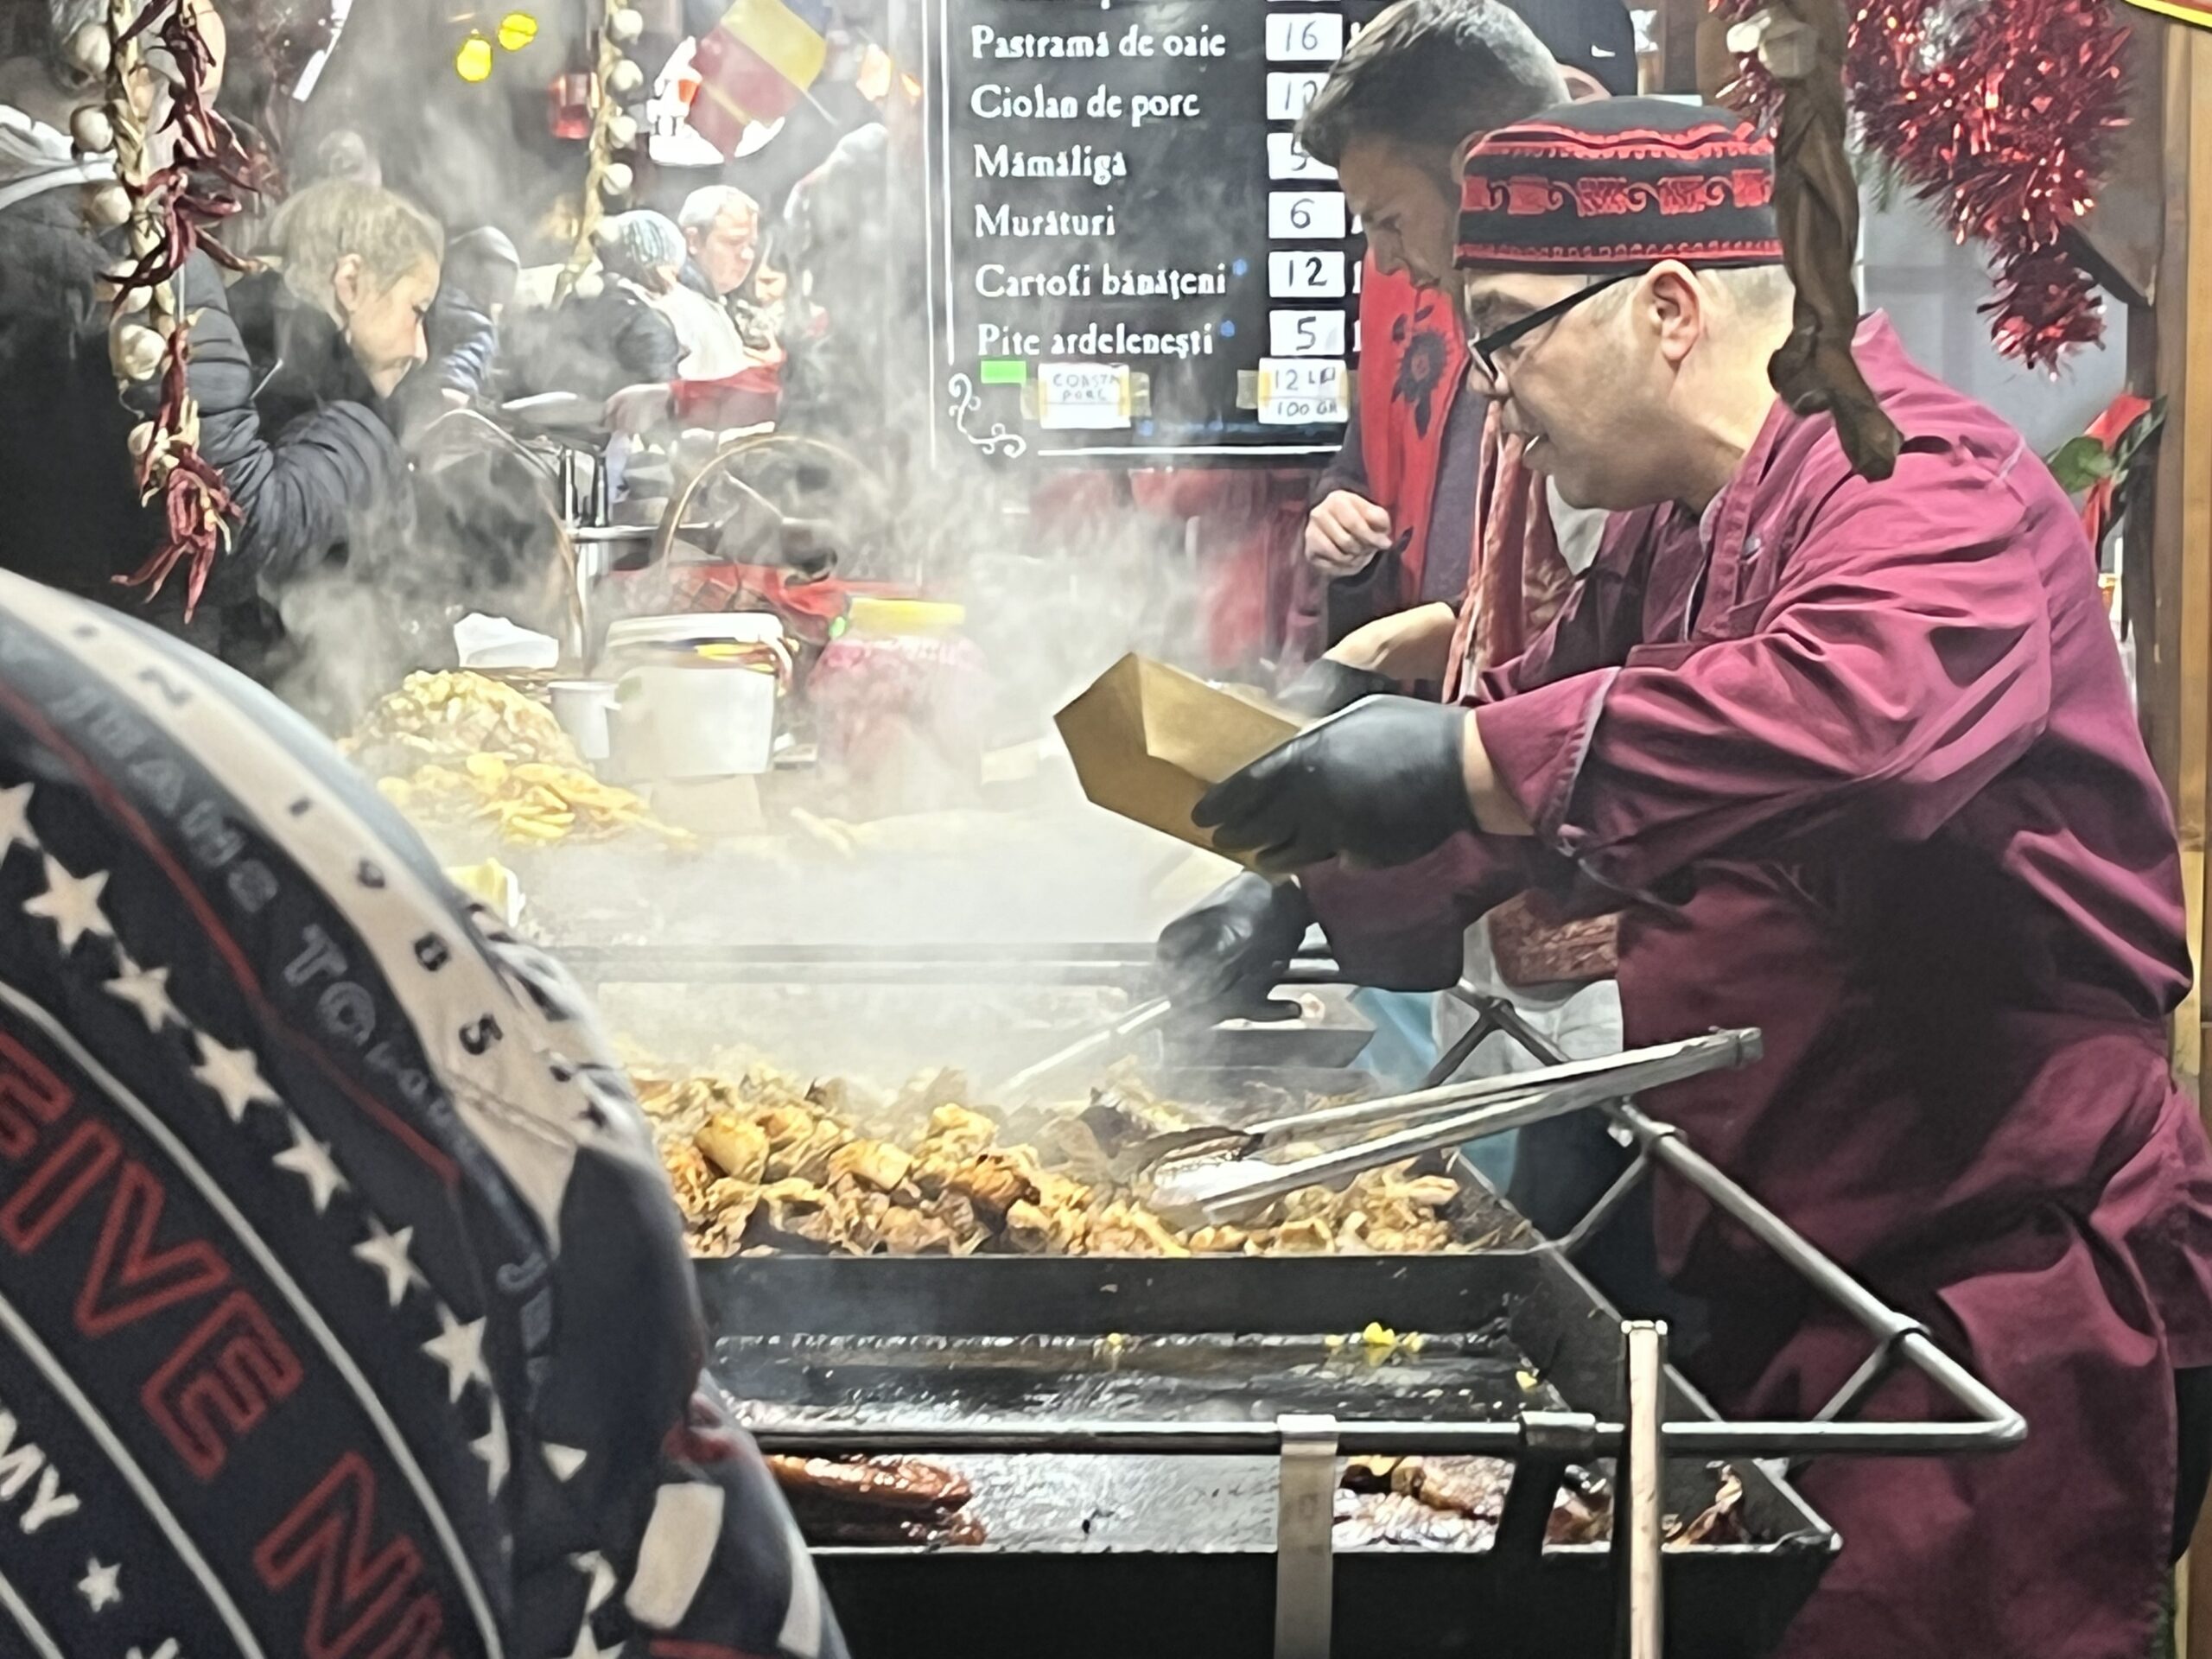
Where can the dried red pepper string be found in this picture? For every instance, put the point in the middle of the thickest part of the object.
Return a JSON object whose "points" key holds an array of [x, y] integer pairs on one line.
{"points": [[184, 201]]}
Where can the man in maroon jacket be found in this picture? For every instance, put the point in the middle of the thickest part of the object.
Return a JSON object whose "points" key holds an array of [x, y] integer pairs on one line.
{"points": [[1856, 764]]}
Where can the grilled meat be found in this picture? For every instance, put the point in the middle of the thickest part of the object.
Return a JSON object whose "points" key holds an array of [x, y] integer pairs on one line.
{"points": [[1364, 1519], [761, 1161], [877, 1501], [906, 1484]]}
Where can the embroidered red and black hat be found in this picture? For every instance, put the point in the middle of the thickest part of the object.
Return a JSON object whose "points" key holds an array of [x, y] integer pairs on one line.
{"points": [[1615, 184]]}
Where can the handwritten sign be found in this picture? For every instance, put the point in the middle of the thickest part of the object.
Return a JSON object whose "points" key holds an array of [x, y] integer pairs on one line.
{"points": [[1300, 392], [1082, 397]]}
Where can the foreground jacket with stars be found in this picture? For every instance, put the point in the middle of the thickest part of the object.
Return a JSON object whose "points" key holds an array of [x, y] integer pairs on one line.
{"points": [[343, 1307]]}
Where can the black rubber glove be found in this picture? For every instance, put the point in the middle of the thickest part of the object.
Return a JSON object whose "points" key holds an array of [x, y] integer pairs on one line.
{"points": [[1383, 783], [1328, 685], [1223, 957]]}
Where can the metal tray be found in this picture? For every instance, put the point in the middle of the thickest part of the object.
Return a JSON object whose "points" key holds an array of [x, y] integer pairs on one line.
{"points": [[1085, 1534]]}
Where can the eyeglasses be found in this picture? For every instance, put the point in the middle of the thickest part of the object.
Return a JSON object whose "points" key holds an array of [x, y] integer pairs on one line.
{"points": [[1487, 349]]}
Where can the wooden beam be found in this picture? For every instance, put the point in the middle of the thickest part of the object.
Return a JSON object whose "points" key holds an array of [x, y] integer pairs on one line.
{"points": [[2173, 654], [1678, 32], [2123, 234], [2175, 669]]}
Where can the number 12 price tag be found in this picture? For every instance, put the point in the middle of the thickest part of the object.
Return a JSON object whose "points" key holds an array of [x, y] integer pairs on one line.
{"points": [[1302, 275], [1302, 391]]}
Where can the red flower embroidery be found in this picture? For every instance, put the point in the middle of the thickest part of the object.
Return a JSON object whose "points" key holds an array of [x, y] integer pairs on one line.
{"points": [[1480, 195], [1684, 194], [1524, 196], [1595, 198], [1752, 187]]}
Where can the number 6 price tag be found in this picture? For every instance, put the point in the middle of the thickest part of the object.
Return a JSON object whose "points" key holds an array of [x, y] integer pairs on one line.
{"points": [[1305, 215], [1082, 397], [1295, 392]]}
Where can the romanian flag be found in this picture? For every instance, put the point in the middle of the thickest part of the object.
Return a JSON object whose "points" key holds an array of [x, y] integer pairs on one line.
{"points": [[755, 65]]}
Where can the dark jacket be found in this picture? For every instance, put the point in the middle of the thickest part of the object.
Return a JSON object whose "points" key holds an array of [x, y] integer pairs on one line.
{"points": [[73, 517], [464, 344], [596, 346]]}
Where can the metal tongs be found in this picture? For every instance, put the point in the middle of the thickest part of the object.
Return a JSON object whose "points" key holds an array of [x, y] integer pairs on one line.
{"points": [[1119, 1036], [1105, 1045], [1216, 1172]]}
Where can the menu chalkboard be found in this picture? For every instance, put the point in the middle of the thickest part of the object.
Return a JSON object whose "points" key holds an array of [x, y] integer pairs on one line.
{"points": [[1131, 259]]}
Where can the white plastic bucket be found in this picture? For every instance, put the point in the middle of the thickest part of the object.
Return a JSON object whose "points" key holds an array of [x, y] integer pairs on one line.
{"points": [[683, 712]]}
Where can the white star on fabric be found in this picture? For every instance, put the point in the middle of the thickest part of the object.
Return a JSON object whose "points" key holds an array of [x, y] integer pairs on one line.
{"points": [[310, 1159], [15, 820], [491, 1446], [98, 1586], [72, 903], [166, 1651], [146, 989], [602, 1578], [562, 1460], [234, 1074], [588, 1645], [387, 1253], [494, 1450], [460, 1349]]}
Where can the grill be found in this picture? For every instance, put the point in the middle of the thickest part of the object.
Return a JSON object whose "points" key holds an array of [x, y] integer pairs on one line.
{"points": [[1154, 1444]]}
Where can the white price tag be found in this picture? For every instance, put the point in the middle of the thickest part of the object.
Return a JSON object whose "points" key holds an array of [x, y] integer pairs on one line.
{"points": [[1082, 397], [1290, 92], [1287, 159], [1302, 392], [1306, 275], [1306, 333], [1305, 215], [1305, 37]]}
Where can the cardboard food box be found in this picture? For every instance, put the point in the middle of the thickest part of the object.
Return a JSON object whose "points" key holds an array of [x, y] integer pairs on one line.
{"points": [[1148, 740]]}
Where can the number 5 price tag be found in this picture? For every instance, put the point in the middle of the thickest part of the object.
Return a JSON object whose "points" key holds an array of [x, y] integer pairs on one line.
{"points": [[1306, 333], [1082, 397], [1302, 392]]}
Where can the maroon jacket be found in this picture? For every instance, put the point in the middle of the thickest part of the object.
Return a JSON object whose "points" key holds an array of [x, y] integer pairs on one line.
{"points": [[1856, 762]]}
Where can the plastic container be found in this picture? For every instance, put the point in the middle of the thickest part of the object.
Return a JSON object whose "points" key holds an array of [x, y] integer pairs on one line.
{"points": [[584, 708], [900, 702], [695, 695]]}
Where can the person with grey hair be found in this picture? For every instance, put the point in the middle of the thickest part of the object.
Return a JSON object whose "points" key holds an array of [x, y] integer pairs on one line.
{"points": [[722, 229], [646, 251], [74, 518]]}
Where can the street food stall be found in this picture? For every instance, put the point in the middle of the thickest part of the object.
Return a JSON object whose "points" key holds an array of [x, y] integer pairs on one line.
{"points": [[1048, 1305]]}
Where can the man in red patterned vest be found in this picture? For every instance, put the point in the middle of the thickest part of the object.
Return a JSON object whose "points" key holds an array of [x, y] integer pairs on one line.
{"points": [[1410, 509]]}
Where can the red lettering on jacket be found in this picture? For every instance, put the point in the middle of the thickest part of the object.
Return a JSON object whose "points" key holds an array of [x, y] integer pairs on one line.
{"points": [[58, 1185], [30, 1098], [129, 1278], [358, 1587], [225, 1375]]}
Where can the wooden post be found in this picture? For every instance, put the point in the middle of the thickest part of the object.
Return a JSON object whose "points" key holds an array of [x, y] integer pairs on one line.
{"points": [[2174, 661], [2174, 648]]}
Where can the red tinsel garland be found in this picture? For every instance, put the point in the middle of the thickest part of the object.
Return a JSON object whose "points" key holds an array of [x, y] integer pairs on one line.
{"points": [[1999, 115]]}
